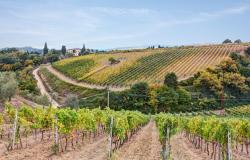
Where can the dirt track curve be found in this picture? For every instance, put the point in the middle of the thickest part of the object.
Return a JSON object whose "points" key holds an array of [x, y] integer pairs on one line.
{"points": [[81, 84], [42, 88]]}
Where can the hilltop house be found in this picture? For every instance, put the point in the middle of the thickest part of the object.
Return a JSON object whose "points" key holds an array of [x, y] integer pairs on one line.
{"points": [[74, 51]]}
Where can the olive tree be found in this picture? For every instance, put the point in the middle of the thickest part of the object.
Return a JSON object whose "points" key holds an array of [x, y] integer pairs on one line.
{"points": [[71, 101], [8, 85], [43, 100]]}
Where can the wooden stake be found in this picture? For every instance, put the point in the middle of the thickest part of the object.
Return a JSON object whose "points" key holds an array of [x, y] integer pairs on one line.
{"points": [[110, 139], [168, 143], [56, 132], [14, 130], [229, 153], [164, 149]]}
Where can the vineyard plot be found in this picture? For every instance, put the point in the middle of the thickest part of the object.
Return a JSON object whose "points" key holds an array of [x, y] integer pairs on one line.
{"points": [[148, 65], [220, 138], [75, 128]]}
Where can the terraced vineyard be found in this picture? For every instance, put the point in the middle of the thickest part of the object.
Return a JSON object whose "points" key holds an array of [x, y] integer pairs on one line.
{"points": [[146, 65]]}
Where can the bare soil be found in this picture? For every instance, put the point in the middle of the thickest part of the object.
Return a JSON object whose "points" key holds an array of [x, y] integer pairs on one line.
{"points": [[42, 150], [183, 150], [42, 88], [142, 146]]}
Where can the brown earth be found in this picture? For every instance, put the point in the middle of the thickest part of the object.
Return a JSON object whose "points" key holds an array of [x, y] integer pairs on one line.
{"points": [[142, 146]]}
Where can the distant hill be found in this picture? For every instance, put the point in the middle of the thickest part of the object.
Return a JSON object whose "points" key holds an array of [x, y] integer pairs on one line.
{"points": [[25, 49]]}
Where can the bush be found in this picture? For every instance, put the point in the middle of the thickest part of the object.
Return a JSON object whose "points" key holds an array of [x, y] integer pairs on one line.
{"points": [[238, 41], [171, 80], [113, 60], [71, 101], [227, 41]]}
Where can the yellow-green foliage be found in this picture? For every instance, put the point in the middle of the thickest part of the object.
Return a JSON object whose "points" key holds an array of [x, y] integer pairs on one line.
{"points": [[210, 128], [70, 120], [149, 65], [1, 119]]}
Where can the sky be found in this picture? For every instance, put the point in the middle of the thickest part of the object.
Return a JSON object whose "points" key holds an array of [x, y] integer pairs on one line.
{"points": [[104, 24]]}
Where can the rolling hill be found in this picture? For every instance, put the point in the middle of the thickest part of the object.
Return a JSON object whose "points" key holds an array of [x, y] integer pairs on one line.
{"points": [[25, 49], [148, 65]]}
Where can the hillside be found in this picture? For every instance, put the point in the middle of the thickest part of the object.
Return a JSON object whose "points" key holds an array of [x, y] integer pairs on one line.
{"points": [[149, 65]]}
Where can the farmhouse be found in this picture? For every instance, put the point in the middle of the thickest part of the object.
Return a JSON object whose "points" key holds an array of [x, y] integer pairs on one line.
{"points": [[74, 51]]}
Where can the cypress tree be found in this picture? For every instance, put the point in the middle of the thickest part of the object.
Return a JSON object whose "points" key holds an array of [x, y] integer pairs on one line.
{"points": [[45, 49], [83, 50], [64, 50]]}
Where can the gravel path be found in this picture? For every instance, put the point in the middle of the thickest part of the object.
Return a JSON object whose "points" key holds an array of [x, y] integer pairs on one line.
{"points": [[81, 84], [143, 146]]}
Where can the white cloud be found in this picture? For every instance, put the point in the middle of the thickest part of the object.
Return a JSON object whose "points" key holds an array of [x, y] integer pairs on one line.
{"points": [[238, 10], [86, 20], [206, 16], [98, 24], [226, 12]]}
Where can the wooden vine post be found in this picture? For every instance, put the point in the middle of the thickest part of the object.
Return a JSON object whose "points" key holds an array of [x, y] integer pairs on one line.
{"points": [[229, 151], [14, 130], [166, 145], [168, 142], [110, 139], [164, 149], [56, 135]]}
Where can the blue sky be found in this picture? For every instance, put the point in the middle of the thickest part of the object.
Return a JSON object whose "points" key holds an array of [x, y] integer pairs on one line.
{"points": [[106, 24]]}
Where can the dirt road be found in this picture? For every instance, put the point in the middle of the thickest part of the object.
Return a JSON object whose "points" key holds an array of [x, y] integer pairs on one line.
{"points": [[42, 88], [81, 84]]}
